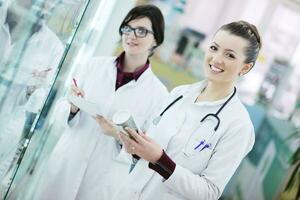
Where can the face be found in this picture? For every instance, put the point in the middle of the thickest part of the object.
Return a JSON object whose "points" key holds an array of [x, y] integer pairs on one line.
{"points": [[224, 58], [138, 45]]}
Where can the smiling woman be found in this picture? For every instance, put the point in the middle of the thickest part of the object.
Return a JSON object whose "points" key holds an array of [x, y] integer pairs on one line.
{"points": [[205, 127]]}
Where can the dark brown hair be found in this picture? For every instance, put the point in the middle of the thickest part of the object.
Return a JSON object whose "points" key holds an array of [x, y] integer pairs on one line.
{"points": [[154, 14], [250, 33]]}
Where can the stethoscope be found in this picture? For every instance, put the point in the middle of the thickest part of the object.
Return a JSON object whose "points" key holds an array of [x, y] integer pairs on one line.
{"points": [[204, 143], [215, 115]]}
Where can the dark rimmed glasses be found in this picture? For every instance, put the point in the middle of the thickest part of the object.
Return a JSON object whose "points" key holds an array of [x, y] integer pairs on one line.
{"points": [[139, 32]]}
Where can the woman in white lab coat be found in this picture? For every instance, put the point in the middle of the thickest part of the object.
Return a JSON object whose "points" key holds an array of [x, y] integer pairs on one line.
{"points": [[84, 154], [207, 129]]}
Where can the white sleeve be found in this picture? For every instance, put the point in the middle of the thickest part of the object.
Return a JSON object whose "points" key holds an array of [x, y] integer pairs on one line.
{"points": [[155, 109], [61, 114], [226, 157], [63, 106], [162, 102]]}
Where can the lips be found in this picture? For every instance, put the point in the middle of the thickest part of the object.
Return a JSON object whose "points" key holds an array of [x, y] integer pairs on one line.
{"points": [[132, 44], [216, 69]]}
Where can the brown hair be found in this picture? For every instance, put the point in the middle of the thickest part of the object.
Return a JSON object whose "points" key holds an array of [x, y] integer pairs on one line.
{"points": [[154, 14], [250, 33]]}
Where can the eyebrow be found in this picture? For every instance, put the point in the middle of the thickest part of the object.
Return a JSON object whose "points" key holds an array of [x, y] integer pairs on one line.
{"points": [[137, 26], [225, 49]]}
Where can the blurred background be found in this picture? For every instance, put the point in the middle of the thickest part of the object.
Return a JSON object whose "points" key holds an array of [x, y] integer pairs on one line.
{"points": [[42, 42]]}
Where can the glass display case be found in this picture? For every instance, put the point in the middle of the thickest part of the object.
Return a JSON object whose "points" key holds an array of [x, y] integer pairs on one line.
{"points": [[42, 42]]}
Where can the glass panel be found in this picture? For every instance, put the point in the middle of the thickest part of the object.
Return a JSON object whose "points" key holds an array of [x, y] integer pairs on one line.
{"points": [[33, 39], [81, 38]]}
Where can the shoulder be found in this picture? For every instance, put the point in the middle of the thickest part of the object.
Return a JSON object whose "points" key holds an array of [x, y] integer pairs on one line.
{"points": [[238, 120], [100, 63], [239, 108], [156, 83], [52, 38], [102, 60]]}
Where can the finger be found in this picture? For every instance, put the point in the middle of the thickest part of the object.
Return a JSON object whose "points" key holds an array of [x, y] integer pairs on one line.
{"points": [[135, 135], [125, 138], [77, 91], [145, 137], [126, 142], [100, 117], [129, 141]]}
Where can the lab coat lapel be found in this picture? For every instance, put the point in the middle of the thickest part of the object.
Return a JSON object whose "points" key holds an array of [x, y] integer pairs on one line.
{"points": [[162, 138], [176, 117]]}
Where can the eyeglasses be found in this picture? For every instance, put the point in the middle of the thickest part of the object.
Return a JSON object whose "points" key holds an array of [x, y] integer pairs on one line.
{"points": [[139, 32]]}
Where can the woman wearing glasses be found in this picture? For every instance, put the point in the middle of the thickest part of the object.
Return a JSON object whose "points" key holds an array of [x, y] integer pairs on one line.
{"points": [[86, 163]]}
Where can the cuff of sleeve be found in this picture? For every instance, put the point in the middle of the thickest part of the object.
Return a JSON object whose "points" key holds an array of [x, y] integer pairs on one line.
{"points": [[71, 116], [165, 166]]}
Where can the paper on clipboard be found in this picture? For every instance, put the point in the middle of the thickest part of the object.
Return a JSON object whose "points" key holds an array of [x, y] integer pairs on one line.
{"points": [[84, 105]]}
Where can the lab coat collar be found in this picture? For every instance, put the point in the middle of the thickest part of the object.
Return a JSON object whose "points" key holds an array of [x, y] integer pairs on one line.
{"points": [[39, 35], [119, 62], [144, 76], [199, 86]]}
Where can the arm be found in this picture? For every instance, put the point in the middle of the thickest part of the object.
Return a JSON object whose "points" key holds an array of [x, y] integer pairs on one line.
{"points": [[65, 113], [210, 183], [107, 127]]}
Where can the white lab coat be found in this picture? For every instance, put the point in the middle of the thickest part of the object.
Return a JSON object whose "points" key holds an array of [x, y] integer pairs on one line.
{"points": [[76, 148], [203, 174], [43, 51]]}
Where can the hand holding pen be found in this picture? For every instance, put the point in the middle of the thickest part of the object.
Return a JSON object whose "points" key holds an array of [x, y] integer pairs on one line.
{"points": [[76, 92], [75, 89]]}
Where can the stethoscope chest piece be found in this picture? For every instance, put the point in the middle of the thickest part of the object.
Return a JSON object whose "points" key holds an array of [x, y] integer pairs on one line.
{"points": [[156, 120]]}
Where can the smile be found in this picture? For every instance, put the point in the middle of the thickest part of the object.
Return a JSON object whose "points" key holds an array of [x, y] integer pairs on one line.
{"points": [[215, 69]]}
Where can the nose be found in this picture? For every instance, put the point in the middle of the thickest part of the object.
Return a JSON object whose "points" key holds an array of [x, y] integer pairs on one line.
{"points": [[217, 58]]}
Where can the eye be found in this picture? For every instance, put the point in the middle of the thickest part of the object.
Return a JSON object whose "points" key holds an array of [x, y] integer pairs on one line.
{"points": [[126, 29], [213, 48], [141, 30], [230, 55]]}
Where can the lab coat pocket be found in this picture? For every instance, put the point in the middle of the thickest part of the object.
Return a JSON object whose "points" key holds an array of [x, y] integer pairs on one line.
{"points": [[196, 162], [128, 193]]}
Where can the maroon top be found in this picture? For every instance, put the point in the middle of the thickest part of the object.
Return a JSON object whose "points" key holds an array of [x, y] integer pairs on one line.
{"points": [[125, 77]]}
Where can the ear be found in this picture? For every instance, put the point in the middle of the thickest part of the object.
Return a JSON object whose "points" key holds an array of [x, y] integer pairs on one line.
{"points": [[246, 68]]}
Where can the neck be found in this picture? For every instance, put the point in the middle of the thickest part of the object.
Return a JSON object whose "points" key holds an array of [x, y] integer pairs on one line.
{"points": [[215, 91], [132, 62]]}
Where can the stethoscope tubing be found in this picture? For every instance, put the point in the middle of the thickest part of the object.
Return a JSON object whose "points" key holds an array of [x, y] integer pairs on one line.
{"points": [[215, 115]]}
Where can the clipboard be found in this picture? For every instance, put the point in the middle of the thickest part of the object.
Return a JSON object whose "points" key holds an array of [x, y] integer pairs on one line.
{"points": [[85, 105]]}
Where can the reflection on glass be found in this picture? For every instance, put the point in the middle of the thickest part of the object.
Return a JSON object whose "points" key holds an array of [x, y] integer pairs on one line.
{"points": [[30, 55], [36, 41]]}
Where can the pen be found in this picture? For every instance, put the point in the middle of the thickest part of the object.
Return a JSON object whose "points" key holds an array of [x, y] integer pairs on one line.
{"points": [[206, 146], [202, 142], [75, 83]]}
